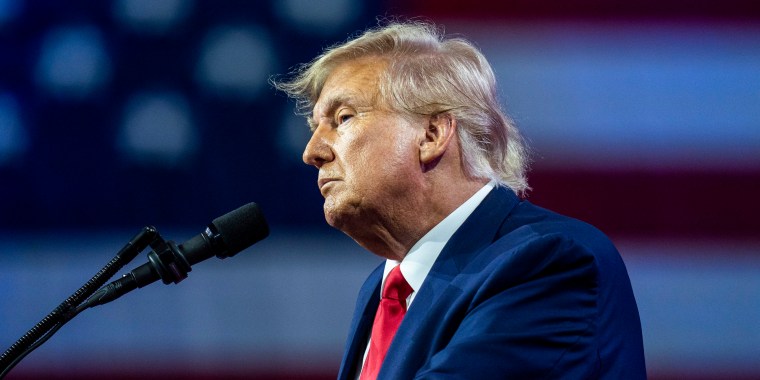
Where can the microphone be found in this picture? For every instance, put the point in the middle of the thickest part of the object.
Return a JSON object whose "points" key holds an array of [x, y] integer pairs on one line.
{"points": [[225, 237]]}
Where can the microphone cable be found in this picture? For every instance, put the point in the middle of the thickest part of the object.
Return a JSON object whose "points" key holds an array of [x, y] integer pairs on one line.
{"points": [[44, 329], [225, 237]]}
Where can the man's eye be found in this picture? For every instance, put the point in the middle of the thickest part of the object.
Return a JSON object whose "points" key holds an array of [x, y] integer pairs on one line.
{"points": [[344, 118]]}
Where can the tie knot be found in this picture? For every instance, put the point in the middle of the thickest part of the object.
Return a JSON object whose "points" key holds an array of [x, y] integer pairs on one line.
{"points": [[396, 286]]}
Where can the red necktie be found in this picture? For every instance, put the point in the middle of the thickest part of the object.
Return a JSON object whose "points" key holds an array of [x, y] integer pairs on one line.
{"points": [[390, 312]]}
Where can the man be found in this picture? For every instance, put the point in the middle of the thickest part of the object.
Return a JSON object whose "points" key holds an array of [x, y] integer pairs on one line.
{"points": [[418, 164]]}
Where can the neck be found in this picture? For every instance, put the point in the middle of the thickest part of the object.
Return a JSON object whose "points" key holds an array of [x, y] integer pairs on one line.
{"points": [[393, 237]]}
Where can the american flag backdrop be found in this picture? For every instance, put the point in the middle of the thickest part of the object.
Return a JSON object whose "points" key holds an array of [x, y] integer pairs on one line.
{"points": [[643, 118]]}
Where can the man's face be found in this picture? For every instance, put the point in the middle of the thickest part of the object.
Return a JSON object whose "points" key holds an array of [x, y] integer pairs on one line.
{"points": [[367, 156]]}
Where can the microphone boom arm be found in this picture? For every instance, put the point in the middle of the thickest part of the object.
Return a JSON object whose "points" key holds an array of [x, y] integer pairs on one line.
{"points": [[225, 237], [66, 310]]}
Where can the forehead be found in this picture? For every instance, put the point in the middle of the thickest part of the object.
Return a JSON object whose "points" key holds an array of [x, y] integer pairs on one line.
{"points": [[353, 81]]}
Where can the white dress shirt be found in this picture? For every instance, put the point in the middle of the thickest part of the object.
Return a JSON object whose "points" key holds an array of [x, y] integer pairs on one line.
{"points": [[417, 263]]}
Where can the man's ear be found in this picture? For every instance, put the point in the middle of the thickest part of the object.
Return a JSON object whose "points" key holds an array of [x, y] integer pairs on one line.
{"points": [[438, 136]]}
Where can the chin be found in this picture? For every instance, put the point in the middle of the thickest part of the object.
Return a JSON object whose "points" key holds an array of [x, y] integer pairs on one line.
{"points": [[336, 210], [344, 221], [331, 221], [333, 216]]}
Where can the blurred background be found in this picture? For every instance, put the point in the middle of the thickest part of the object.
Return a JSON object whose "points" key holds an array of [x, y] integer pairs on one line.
{"points": [[644, 118]]}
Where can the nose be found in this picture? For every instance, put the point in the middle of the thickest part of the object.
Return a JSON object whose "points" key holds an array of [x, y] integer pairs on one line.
{"points": [[318, 150]]}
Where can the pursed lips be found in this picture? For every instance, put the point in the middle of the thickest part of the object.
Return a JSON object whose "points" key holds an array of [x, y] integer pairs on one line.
{"points": [[324, 181]]}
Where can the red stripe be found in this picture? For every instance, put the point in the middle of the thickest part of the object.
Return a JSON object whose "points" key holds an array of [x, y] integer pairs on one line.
{"points": [[704, 204], [496, 9], [167, 373], [173, 373]]}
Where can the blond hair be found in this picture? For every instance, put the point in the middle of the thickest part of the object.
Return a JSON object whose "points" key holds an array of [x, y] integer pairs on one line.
{"points": [[429, 74]]}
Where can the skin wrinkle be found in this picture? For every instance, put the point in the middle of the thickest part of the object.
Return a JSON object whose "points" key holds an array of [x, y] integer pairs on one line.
{"points": [[427, 75], [382, 155], [433, 136], [394, 175]]}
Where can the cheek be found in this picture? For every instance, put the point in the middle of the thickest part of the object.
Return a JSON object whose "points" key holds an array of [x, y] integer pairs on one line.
{"points": [[400, 150], [386, 167], [379, 154]]}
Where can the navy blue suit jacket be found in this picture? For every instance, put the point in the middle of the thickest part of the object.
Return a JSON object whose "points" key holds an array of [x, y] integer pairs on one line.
{"points": [[518, 292]]}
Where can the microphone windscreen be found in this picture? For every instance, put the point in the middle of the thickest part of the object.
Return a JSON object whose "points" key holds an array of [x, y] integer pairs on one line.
{"points": [[241, 228]]}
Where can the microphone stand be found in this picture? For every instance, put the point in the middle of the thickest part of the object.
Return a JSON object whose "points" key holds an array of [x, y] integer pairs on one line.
{"points": [[72, 306]]}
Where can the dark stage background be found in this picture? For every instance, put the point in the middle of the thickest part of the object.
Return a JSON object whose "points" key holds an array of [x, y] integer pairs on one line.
{"points": [[644, 118]]}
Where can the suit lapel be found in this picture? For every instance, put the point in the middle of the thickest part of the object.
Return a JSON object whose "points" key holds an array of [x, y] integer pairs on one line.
{"points": [[439, 288], [477, 232], [364, 315], [442, 284]]}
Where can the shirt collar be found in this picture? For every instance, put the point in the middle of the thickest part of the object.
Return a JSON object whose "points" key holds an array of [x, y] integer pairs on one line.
{"points": [[417, 263]]}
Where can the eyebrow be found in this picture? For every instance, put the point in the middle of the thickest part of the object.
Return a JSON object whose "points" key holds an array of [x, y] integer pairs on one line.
{"points": [[332, 103]]}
